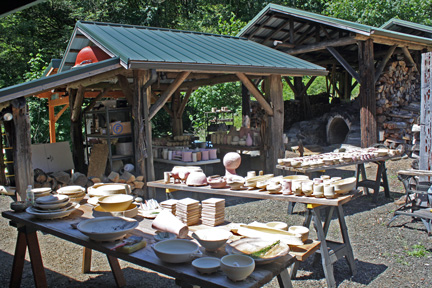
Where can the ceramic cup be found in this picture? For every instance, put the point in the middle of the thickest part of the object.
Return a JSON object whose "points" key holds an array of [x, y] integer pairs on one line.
{"points": [[205, 155], [251, 174], [318, 190], [329, 191], [167, 177], [307, 187], [286, 186], [213, 154]]}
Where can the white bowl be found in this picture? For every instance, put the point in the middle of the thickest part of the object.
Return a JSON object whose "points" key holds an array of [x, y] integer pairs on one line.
{"points": [[345, 185], [212, 239], [303, 231], [115, 203], [107, 228], [176, 250], [67, 190], [206, 265], [277, 225], [237, 267]]}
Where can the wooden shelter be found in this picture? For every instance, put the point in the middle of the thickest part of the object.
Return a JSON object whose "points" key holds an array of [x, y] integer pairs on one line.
{"points": [[348, 50], [148, 66]]}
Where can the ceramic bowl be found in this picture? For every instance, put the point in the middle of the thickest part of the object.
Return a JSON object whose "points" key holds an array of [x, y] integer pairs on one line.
{"points": [[176, 250], [296, 177], [118, 202], [42, 190], [277, 225], [130, 212], [68, 190], [196, 179], [105, 189], [107, 228], [212, 239], [237, 267], [18, 206], [206, 265], [345, 185], [216, 182], [303, 231]]}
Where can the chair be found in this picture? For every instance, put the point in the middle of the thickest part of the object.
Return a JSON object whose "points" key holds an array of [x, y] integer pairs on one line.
{"points": [[418, 197]]}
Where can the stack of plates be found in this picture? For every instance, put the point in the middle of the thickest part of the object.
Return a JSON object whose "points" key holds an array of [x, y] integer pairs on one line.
{"points": [[52, 207], [75, 193], [188, 211], [169, 205], [213, 211], [41, 192]]}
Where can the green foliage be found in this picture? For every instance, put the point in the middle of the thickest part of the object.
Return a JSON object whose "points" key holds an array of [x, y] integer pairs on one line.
{"points": [[418, 251]]}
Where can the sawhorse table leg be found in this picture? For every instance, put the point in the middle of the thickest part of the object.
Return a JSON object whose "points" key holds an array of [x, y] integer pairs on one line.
{"points": [[380, 180], [27, 239]]}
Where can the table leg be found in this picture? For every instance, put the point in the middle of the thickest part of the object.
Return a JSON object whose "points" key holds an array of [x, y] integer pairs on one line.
{"points": [[292, 269], [325, 257], [328, 219], [36, 259], [378, 181], [291, 207], [18, 261], [116, 270], [86, 264], [361, 171], [284, 279], [385, 180], [308, 218], [349, 256]]}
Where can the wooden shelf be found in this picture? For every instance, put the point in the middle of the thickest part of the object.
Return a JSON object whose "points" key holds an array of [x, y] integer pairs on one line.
{"points": [[181, 163]]}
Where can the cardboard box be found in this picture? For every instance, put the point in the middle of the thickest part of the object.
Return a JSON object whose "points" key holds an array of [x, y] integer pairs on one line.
{"points": [[120, 128]]}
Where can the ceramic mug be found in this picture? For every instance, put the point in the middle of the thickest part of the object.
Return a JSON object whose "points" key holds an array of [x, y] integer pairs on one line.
{"points": [[286, 186], [329, 191]]}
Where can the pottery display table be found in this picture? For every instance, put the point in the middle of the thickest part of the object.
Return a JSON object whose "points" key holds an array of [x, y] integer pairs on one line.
{"points": [[184, 273], [330, 251], [374, 184]]}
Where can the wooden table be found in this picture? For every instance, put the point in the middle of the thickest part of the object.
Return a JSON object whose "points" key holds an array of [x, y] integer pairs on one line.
{"points": [[330, 251], [28, 225], [374, 184]]}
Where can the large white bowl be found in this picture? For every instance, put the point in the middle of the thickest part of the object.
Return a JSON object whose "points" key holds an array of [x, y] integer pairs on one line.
{"points": [[237, 267], [345, 185], [107, 228], [212, 239], [116, 202], [176, 250]]}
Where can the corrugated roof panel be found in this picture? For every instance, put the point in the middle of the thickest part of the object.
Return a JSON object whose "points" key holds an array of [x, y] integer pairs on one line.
{"points": [[395, 22]]}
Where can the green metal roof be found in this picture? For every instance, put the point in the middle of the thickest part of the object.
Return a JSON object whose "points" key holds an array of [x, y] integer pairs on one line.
{"points": [[56, 80], [334, 22], [141, 47], [403, 26]]}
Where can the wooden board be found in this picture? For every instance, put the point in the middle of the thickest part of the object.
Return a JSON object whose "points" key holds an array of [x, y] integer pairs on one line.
{"points": [[425, 161], [98, 160]]}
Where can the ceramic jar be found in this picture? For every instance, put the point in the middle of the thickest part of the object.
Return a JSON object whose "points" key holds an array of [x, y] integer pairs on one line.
{"points": [[296, 187], [318, 190], [307, 187], [213, 154], [329, 191], [205, 155], [187, 156], [286, 186]]}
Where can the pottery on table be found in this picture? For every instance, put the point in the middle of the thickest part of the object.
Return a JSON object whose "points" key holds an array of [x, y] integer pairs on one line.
{"points": [[196, 179], [235, 182], [176, 250], [107, 228], [68, 190], [345, 185], [231, 161], [18, 206], [286, 186], [216, 182], [212, 154], [115, 203], [303, 231], [165, 221], [274, 188], [277, 225], [187, 156], [212, 239], [206, 265], [237, 267], [318, 191], [130, 212], [307, 187], [105, 189], [329, 191]]}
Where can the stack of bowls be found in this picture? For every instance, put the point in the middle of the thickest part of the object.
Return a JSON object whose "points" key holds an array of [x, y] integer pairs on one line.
{"points": [[41, 192], [51, 207], [75, 193]]}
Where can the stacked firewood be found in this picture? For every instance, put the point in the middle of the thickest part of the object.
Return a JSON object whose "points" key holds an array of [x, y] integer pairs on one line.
{"points": [[398, 102], [60, 179]]}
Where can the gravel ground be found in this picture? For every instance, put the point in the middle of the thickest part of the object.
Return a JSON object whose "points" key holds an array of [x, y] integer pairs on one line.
{"points": [[396, 256]]}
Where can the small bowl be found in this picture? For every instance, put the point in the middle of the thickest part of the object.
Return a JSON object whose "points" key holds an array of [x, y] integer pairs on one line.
{"points": [[303, 231], [18, 206], [176, 250], [115, 203], [206, 265], [237, 267], [277, 225], [212, 239]]}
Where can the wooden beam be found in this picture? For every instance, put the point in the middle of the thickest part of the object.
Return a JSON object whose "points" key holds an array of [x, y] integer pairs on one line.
{"points": [[290, 85], [255, 92], [208, 82], [260, 26], [126, 88], [383, 63], [322, 45], [167, 93], [96, 79], [344, 63], [325, 32], [94, 100], [59, 101], [52, 121], [77, 105], [399, 42], [367, 94], [409, 57], [185, 101], [277, 30], [58, 115], [22, 154]]}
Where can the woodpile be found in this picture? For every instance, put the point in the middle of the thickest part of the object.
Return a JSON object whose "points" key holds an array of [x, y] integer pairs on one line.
{"points": [[60, 179], [398, 103]]}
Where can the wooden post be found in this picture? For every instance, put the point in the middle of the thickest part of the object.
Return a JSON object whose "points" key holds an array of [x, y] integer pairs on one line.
{"points": [[367, 94], [76, 99], [274, 147], [425, 162], [177, 124], [246, 106], [22, 147], [52, 121], [2, 160], [140, 77]]}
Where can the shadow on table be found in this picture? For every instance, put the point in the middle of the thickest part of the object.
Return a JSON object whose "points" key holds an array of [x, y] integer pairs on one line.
{"points": [[134, 277], [366, 272]]}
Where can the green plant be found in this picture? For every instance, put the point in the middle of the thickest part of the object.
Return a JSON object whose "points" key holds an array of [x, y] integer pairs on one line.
{"points": [[418, 251]]}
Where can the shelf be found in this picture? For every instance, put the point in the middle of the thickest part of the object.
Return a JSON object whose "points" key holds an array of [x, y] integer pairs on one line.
{"points": [[119, 157], [105, 136], [181, 163], [237, 147]]}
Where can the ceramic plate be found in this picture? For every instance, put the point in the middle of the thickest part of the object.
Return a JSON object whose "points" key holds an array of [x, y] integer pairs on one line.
{"points": [[50, 215], [52, 199], [107, 228], [249, 245], [52, 207], [74, 189], [42, 190]]}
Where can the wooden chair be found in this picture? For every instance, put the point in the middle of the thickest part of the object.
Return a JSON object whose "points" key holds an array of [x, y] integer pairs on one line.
{"points": [[418, 197]]}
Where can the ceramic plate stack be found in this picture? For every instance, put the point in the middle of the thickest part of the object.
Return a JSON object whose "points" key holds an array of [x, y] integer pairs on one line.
{"points": [[188, 211], [74, 192], [169, 205], [41, 192], [52, 207], [213, 211]]}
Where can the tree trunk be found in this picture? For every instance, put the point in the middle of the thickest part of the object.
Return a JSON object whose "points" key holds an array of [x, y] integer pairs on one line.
{"points": [[75, 103]]}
